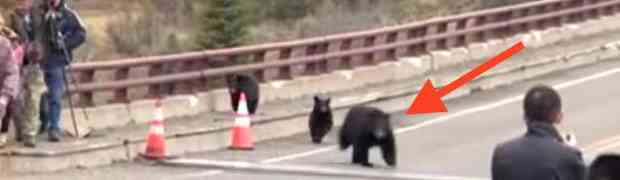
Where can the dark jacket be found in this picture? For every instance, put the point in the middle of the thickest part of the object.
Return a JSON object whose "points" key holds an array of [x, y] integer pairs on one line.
{"points": [[539, 155], [70, 26]]}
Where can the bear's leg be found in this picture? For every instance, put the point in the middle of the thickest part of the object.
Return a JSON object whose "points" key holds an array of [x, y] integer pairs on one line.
{"points": [[234, 100], [360, 154], [314, 132], [388, 150], [252, 106], [344, 143]]}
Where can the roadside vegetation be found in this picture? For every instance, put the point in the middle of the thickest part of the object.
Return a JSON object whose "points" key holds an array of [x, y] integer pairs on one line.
{"points": [[134, 28]]}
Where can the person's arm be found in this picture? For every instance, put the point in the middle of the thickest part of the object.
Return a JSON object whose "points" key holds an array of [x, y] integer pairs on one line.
{"points": [[10, 83], [495, 169], [77, 33], [575, 168]]}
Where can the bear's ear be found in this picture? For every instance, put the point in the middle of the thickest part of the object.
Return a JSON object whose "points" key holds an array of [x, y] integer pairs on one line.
{"points": [[316, 98], [328, 100]]}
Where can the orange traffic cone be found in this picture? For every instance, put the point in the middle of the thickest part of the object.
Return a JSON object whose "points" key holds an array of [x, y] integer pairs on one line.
{"points": [[241, 133], [155, 140]]}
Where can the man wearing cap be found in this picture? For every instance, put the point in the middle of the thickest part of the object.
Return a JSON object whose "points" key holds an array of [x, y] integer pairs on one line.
{"points": [[64, 32]]}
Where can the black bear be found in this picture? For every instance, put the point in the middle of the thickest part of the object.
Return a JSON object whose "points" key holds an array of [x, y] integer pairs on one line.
{"points": [[248, 85], [320, 122], [365, 127]]}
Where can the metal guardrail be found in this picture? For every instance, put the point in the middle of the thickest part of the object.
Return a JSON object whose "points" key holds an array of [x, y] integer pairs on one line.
{"points": [[312, 56]]}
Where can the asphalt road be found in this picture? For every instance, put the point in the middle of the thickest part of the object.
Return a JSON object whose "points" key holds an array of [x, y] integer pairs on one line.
{"points": [[457, 144]]}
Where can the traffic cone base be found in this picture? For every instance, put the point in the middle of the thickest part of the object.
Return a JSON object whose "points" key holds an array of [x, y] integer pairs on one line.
{"points": [[155, 147], [241, 135], [155, 139], [241, 139]]}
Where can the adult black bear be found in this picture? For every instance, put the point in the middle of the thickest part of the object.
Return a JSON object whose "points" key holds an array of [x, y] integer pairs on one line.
{"points": [[248, 85], [365, 127], [320, 122]]}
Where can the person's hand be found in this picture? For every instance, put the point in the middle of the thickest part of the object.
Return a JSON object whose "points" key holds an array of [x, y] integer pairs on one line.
{"points": [[570, 139], [4, 101]]}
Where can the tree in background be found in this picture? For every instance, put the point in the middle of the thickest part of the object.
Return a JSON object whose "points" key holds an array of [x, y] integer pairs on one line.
{"points": [[223, 25]]}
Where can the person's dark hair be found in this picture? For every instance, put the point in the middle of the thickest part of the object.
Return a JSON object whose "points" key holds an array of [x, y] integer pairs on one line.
{"points": [[605, 167], [541, 103]]}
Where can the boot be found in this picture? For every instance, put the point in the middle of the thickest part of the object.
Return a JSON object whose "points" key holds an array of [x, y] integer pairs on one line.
{"points": [[29, 141], [3, 140], [54, 135]]}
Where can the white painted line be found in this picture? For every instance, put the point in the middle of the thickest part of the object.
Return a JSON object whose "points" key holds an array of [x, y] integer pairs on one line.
{"points": [[455, 115], [198, 175], [299, 155], [602, 143], [314, 170], [586, 79], [605, 148]]}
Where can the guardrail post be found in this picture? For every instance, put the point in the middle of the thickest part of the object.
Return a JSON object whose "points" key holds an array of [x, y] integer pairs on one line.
{"points": [[346, 62], [419, 48], [260, 75], [186, 87], [311, 68], [390, 55], [369, 58], [583, 15], [85, 98], [120, 95], [505, 31], [285, 72], [594, 13], [200, 84], [323, 66], [458, 40], [471, 37], [435, 29], [558, 21], [154, 70], [609, 10]]}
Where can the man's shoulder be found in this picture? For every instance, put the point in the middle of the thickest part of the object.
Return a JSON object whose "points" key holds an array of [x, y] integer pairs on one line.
{"points": [[510, 144]]}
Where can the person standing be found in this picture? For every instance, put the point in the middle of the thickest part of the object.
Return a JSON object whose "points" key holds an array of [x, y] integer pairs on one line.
{"points": [[26, 20], [64, 33], [541, 153], [9, 82]]}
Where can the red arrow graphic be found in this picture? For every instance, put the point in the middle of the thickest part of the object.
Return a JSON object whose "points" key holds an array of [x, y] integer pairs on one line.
{"points": [[429, 98]]}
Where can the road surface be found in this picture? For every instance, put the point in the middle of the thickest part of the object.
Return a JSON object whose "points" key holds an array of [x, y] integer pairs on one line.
{"points": [[454, 144]]}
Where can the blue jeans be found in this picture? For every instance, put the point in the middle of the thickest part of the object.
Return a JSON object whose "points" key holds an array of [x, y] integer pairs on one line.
{"points": [[54, 79]]}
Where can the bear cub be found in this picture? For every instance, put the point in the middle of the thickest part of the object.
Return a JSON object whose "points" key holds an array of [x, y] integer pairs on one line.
{"points": [[320, 122]]}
